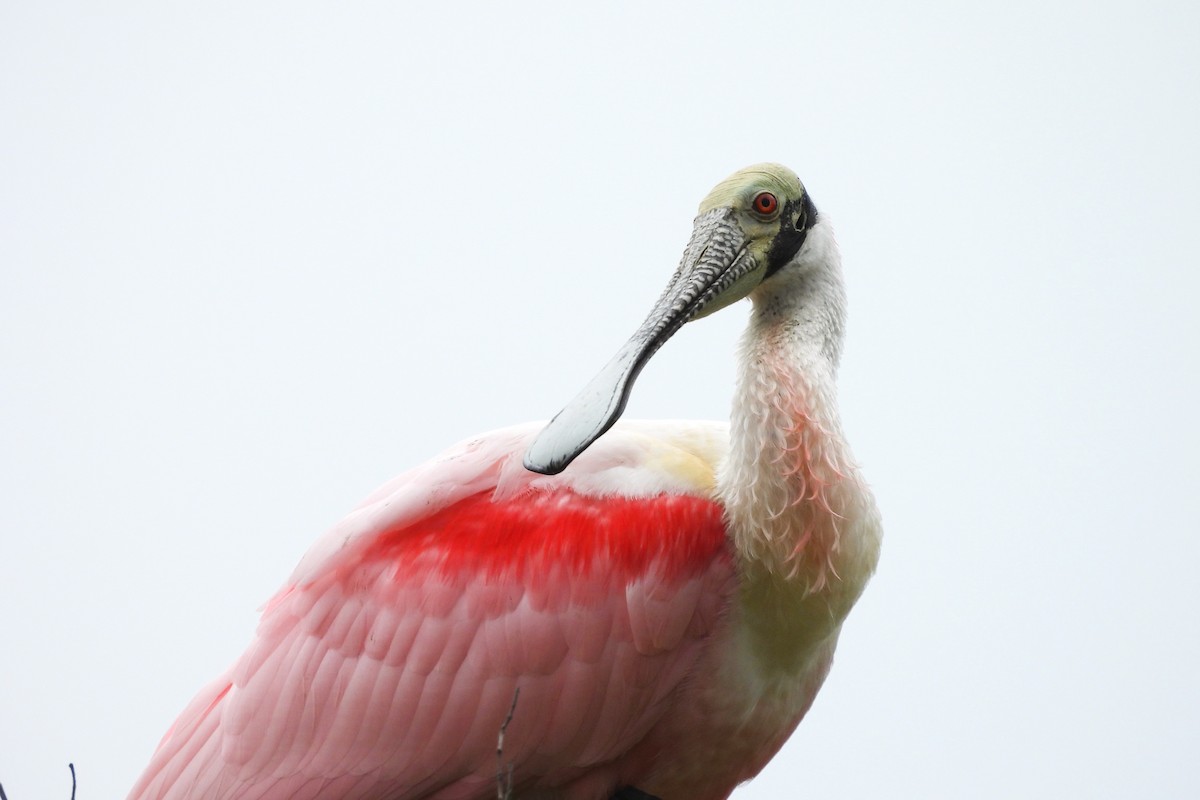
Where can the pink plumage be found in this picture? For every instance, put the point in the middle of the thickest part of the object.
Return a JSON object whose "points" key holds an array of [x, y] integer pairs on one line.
{"points": [[667, 606], [387, 669]]}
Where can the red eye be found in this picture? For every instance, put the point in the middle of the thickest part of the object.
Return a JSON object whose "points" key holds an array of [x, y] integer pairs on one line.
{"points": [[765, 203]]}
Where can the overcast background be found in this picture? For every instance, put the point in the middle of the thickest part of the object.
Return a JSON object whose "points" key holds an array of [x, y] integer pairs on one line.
{"points": [[255, 258]]}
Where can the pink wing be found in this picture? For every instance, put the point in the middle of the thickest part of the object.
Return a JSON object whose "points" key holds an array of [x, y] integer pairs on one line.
{"points": [[389, 664]]}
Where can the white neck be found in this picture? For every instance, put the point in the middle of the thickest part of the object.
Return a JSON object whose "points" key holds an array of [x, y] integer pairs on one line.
{"points": [[789, 483]]}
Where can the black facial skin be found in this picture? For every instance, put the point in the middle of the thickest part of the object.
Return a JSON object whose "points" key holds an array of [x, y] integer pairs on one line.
{"points": [[798, 217]]}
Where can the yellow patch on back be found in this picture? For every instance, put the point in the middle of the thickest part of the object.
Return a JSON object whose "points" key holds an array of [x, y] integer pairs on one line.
{"points": [[686, 467]]}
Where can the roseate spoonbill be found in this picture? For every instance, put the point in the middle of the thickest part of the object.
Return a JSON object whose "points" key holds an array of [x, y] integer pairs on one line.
{"points": [[666, 596]]}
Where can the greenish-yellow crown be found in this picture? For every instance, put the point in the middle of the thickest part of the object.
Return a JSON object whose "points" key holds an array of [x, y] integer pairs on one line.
{"points": [[764, 200], [739, 189]]}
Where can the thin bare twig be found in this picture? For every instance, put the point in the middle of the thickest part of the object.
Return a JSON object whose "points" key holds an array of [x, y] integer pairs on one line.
{"points": [[3, 796], [504, 774]]}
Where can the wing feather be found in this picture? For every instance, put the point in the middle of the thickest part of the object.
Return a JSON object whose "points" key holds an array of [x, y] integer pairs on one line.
{"points": [[389, 663]]}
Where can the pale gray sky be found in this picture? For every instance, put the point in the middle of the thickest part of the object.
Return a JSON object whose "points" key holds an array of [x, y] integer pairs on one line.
{"points": [[257, 258]]}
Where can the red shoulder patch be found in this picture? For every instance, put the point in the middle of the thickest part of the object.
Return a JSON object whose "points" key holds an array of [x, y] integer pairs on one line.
{"points": [[675, 535]]}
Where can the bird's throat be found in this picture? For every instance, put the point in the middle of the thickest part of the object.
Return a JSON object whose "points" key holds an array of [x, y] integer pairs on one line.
{"points": [[803, 525], [787, 460]]}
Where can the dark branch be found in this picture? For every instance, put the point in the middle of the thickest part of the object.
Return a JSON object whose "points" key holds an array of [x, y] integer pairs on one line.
{"points": [[71, 767], [504, 773], [631, 793]]}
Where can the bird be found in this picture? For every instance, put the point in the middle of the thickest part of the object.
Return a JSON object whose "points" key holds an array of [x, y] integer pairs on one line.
{"points": [[587, 609]]}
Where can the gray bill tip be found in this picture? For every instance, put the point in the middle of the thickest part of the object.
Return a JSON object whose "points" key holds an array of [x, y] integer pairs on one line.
{"points": [[566, 436], [573, 430], [589, 414], [544, 460]]}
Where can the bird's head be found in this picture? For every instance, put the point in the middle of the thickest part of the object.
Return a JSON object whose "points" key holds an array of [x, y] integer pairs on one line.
{"points": [[750, 226], [767, 210]]}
